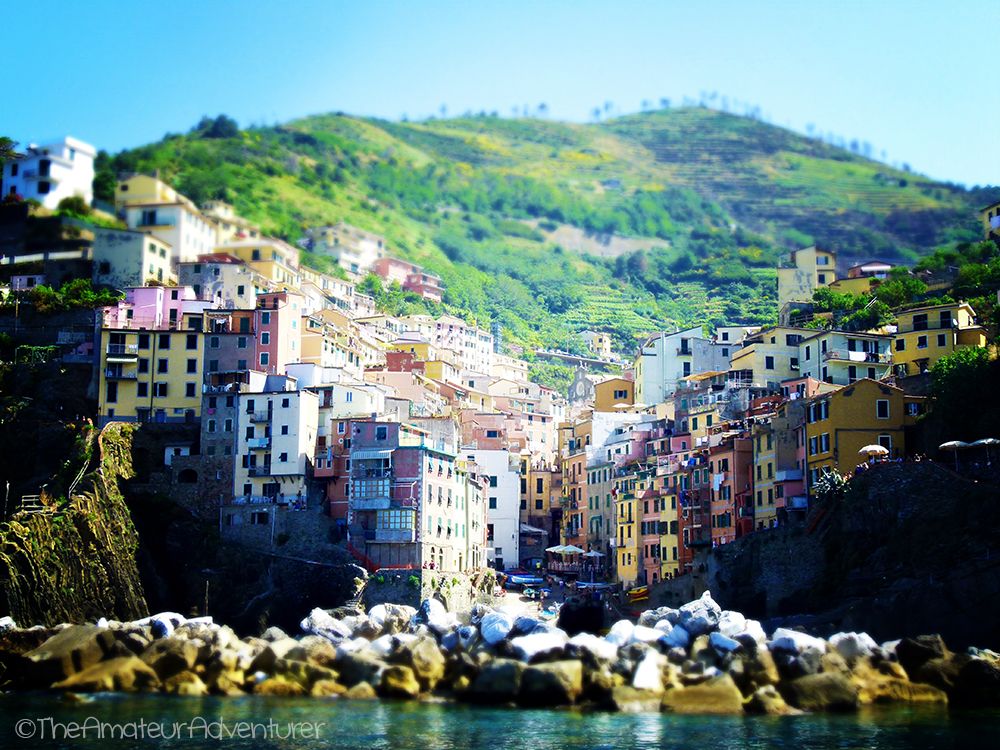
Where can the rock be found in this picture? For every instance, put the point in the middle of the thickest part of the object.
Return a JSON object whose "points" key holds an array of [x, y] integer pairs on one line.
{"points": [[278, 686], [274, 633], [424, 658], [874, 686], [315, 649], [767, 700], [554, 683], [651, 617], [524, 625], [121, 674], [358, 666], [758, 670], [170, 655], [362, 627], [225, 682], [319, 622], [384, 645], [327, 689], [264, 661], [941, 672], [136, 642], [69, 651], [398, 681], [677, 638], [642, 634], [361, 691], [435, 616], [832, 661], [792, 641], [7, 623], [723, 644], [468, 635], [792, 665], [853, 646], [649, 672], [700, 616], [536, 646], [498, 682], [495, 626], [715, 696], [629, 700], [732, 623], [977, 684], [391, 618], [185, 683], [302, 672], [620, 633], [913, 653], [598, 650], [755, 631], [821, 692]]}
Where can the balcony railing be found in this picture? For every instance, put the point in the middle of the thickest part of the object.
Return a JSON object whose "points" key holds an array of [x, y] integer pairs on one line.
{"points": [[260, 471], [253, 500], [845, 355], [393, 535], [123, 349], [260, 416], [113, 374], [258, 443]]}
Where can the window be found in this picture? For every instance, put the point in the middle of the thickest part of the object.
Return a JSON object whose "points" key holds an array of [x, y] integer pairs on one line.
{"points": [[768, 363], [264, 359], [160, 390], [241, 342], [43, 188], [381, 432], [912, 409], [111, 392], [852, 373], [946, 319], [882, 408], [192, 366], [241, 364], [808, 353], [142, 390], [493, 503], [143, 365], [213, 365], [921, 342], [539, 485], [284, 403], [164, 342], [900, 345], [148, 217], [161, 365], [942, 340], [493, 433], [265, 318], [189, 390], [824, 442], [920, 322], [284, 429], [265, 338], [143, 340], [886, 442], [282, 457], [493, 481], [213, 342]]}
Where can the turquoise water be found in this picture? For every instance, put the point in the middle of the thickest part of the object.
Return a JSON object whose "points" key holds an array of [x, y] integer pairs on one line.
{"points": [[213, 722]]}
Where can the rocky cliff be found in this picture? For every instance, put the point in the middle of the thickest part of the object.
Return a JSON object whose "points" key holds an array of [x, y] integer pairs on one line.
{"points": [[907, 549], [75, 559]]}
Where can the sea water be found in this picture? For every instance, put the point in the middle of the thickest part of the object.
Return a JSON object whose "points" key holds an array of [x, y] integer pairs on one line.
{"points": [[43, 720]]}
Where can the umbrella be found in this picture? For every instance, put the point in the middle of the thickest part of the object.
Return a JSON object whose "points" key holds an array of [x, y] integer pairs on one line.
{"points": [[558, 549], [953, 445], [571, 549], [874, 450], [986, 443], [593, 553]]}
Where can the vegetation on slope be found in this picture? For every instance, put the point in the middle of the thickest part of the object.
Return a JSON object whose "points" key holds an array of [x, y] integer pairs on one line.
{"points": [[524, 219]]}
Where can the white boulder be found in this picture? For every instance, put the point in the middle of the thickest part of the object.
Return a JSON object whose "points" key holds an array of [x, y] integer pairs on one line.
{"points": [[700, 616], [620, 633], [642, 634], [495, 626], [595, 645], [732, 623], [853, 646], [527, 647], [793, 641], [678, 637], [649, 672]]}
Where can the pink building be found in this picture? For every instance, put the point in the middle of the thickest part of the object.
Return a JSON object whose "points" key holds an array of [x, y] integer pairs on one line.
{"points": [[410, 277], [153, 308], [279, 332]]}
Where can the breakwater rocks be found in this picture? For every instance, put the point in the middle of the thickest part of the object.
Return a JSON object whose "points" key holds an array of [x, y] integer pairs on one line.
{"points": [[696, 659]]}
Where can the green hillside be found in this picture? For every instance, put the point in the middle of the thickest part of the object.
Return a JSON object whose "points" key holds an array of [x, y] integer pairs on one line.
{"points": [[637, 224]]}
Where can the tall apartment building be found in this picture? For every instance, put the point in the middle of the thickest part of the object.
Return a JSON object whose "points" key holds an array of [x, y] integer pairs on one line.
{"points": [[51, 172]]}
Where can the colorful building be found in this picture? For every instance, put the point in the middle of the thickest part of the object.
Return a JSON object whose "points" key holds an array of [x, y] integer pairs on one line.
{"points": [[925, 334]]}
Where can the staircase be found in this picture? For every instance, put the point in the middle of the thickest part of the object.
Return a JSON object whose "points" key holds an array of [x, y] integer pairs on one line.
{"points": [[366, 562]]}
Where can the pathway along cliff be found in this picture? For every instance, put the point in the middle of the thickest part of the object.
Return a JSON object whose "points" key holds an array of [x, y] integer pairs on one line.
{"points": [[74, 559]]}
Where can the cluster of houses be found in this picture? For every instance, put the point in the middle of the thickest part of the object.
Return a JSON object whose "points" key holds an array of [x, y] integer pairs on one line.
{"points": [[423, 443]]}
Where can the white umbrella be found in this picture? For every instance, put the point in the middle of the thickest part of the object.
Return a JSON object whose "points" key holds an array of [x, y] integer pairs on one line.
{"points": [[874, 450], [571, 549], [593, 553], [986, 443], [954, 445], [558, 549]]}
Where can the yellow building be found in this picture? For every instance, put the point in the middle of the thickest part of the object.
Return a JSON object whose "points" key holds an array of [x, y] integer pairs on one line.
{"points": [[807, 270], [276, 261], [770, 355], [668, 505], [990, 216], [764, 469], [840, 423], [150, 376], [925, 334], [627, 531], [614, 391]]}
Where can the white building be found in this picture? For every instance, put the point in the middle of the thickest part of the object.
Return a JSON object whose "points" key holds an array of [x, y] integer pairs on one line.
{"points": [[225, 281], [665, 358], [500, 470], [841, 357], [51, 172], [472, 346], [276, 439], [125, 258], [152, 206], [354, 249]]}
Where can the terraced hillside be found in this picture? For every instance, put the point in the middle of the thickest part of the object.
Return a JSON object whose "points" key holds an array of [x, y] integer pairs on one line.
{"points": [[666, 218]]}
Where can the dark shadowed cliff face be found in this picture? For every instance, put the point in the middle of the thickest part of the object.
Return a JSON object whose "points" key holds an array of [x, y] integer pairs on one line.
{"points": [[910, 549], [78, 561]]}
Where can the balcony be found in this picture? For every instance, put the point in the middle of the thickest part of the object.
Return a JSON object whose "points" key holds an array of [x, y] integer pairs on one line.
{"points": [[112, 373], [788, 475], [259, 416], [122, 352], [369, 503], [394, 535], [843, 355], [260, 471], [258, 443], [253, 500]]}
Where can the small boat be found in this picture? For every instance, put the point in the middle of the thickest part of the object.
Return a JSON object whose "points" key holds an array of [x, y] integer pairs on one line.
{"points": [[638, 594]]}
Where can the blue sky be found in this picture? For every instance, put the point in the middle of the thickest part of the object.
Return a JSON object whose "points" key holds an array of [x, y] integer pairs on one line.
{"points": [[916, 79]]}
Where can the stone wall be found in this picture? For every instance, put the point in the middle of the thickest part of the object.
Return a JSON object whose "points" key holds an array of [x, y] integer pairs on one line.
{"points": [[458, 591]]}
